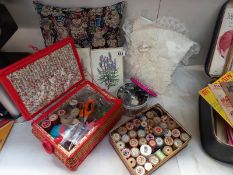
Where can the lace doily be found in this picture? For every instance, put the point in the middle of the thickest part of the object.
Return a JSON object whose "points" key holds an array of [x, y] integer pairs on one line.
{"points": [[155, 49]]}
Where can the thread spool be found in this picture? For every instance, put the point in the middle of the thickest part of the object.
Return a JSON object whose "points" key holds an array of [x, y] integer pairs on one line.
{"points": [[54, 119], [46, 125]]}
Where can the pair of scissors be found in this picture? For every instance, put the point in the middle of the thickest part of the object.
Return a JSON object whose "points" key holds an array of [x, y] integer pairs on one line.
{"points": [[86, 109]]}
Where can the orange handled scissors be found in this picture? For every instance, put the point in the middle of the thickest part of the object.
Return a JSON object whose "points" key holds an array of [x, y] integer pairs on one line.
{"points": [[86, 109]]}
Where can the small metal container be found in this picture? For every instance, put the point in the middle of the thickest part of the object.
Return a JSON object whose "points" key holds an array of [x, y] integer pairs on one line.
{"points": [[134, 98]]}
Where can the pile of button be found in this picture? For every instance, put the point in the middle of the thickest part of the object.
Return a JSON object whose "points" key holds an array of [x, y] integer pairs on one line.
{"points": [[148, 139], [132, 95]]}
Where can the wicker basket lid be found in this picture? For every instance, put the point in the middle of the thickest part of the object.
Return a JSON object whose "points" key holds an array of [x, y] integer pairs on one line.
{"points": [[37, 81]]}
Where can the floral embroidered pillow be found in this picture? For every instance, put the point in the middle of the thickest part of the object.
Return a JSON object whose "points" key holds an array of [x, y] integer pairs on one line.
{"points": [[104, 25], [90, 27]]}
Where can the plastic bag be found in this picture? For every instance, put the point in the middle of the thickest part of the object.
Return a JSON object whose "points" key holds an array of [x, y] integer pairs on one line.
{"points": [[73, 134]]}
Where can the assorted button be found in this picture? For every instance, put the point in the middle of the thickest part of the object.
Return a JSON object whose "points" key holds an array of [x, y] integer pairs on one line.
{"points": [[148, 139]]}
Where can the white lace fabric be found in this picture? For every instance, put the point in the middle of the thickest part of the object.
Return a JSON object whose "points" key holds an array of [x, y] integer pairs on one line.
{"points": [[154, 51]]}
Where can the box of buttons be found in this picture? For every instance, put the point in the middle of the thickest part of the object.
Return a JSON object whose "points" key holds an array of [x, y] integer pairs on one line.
{"points": [[70, 115], [147, 141]]}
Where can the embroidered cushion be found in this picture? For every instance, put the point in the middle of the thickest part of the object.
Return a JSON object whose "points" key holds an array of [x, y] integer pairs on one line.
{"points": [[90, 27]]}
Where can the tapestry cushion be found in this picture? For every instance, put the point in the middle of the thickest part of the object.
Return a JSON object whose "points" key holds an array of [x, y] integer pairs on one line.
{"points": [[89, 27]]}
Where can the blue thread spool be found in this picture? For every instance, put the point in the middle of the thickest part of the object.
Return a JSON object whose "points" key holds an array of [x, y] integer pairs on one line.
{"points": [[55, 132]]}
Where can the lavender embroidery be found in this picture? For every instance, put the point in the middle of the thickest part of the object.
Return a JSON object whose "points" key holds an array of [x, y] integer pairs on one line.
{"points": [[108, 71]]}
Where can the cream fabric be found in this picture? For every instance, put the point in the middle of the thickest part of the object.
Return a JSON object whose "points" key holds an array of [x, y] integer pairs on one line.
{"points": [[154, 52]]}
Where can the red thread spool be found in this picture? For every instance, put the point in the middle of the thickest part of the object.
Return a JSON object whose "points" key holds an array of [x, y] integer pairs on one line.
{"points": [[46, 125], [158, 131]]}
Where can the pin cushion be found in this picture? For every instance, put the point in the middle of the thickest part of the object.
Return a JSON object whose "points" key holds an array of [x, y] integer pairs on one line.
{"points": [[134, 98]]}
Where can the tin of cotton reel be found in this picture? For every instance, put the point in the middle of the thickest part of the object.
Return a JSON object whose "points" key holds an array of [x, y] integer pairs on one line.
{"points": [[145, 143]]}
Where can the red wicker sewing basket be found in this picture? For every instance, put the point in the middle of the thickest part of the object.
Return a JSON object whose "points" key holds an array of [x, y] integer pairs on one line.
{"points": [[42, 82]]}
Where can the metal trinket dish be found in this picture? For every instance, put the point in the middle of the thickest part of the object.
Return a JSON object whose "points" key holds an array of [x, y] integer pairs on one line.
{"points": [[134, 98]]}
